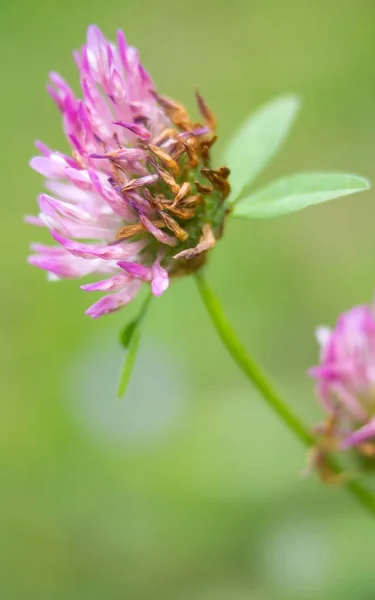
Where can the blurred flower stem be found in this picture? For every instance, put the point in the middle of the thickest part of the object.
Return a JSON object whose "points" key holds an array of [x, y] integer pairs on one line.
{"points": [[266, 389]]}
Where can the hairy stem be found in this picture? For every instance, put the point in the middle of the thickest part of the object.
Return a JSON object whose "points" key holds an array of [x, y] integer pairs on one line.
{"points": [[266, 389]]}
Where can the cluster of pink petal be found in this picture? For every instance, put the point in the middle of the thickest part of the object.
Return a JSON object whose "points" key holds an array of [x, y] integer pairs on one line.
{"points": [[118, 110], [346, 375]]}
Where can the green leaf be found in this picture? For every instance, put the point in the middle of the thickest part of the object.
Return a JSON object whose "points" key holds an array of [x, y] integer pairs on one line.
{"points": [[129, 362], [129, 338], [297, 192], [127, 333], [258, 140]]}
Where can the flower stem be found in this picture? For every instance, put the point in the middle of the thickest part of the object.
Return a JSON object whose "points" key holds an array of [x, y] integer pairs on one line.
{"points": [[266, 389]]}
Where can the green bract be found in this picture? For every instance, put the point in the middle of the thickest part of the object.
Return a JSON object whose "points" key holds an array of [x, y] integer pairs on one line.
{"points": [[257, 141], [296, 192]]}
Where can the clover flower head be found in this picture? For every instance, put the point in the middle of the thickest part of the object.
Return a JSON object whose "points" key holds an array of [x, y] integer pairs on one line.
{"points": [[346, 380], [137, 199]]}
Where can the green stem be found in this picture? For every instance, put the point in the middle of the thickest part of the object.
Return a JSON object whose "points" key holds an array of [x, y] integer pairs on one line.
{"points": [[266, 389]]}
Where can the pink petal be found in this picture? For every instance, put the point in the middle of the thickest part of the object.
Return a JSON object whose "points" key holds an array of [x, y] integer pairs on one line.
{"points": [[43, 148], [138, 130], [34, 220], [59, 262], [360, 436], [160, 279], [52, 206], [90, 251], [80, 178], [114, 302], [112, 284], [136, 270], [49, 166], [160, 235]]}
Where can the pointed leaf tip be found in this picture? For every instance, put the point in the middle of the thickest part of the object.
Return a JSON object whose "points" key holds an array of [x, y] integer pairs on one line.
{"points": [[258, 140], [297, 192]]}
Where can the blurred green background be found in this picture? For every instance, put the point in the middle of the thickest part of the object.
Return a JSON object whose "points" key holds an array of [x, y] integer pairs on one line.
{"points": [[189, 488]]}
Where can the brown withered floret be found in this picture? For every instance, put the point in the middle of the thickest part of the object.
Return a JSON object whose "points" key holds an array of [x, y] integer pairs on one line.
{"points": [[182, 193], [206, 112], [206, 242], [219, 179], [167, 160], [168, 179], [205, 149], [367, 449], [203, 189], [171, 224], [130, 230]]}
